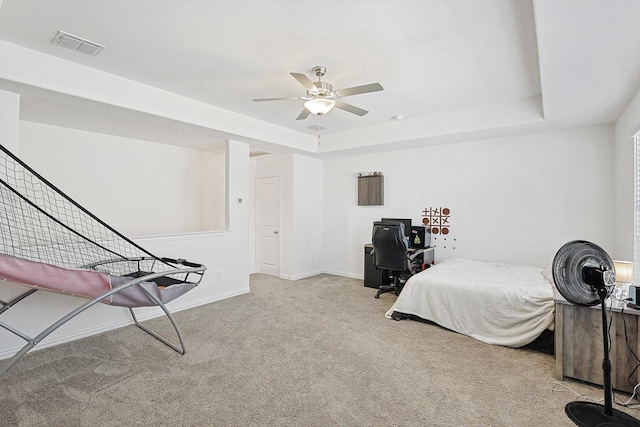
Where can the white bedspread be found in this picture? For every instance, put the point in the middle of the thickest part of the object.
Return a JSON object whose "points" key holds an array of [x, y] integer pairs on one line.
{"points": [[502, 304]]}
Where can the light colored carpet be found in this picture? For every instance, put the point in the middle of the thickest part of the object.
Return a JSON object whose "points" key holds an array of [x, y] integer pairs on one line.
{"points": [[315, 352]]}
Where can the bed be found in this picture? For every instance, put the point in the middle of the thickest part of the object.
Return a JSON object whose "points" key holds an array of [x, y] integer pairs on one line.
{"points": [[500, 304]]}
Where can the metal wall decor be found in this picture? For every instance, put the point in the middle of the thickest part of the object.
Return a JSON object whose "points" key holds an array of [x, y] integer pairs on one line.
{"points": [[437, 219], [370, 189]]}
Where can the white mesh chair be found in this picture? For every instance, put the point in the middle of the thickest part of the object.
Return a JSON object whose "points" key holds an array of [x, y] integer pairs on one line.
{"points": [[49, 242]]}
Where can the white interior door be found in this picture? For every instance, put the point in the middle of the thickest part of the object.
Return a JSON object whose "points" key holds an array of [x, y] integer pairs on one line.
{"points": [[268, 225]]}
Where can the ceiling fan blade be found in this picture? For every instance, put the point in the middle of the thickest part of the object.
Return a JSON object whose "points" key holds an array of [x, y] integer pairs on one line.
{"points": [[297, 98], [350, 108], [356, 90], [303, 80], [304, 114]]}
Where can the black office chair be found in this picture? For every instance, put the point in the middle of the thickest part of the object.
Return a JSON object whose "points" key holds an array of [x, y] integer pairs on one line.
{"points": [[391, 255]]}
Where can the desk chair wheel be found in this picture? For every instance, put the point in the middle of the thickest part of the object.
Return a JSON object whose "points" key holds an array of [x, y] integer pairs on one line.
{"points": [[396, 287]]}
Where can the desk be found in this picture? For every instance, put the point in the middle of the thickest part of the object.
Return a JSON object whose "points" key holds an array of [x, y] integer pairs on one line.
{"points": [[578, 343], [373, 278]]}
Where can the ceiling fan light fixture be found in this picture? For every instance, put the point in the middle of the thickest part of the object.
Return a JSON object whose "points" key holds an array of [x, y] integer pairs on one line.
{"points": [[319, 106], [321, 98]]}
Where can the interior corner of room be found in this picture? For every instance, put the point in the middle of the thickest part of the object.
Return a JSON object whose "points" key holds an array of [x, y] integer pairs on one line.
{"points": [[525, 156]]}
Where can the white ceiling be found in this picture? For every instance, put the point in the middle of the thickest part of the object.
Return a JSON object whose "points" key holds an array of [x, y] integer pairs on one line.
{"points": [[490, 67]]}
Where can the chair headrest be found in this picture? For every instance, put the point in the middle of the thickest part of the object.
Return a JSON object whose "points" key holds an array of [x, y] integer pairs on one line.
{"points": [[390, 246]]}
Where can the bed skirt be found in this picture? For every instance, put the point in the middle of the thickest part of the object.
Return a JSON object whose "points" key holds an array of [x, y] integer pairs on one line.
{"points": [[545, 343]]}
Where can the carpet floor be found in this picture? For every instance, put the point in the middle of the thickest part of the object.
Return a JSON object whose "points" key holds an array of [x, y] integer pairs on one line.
{"points": [[314, 352]]}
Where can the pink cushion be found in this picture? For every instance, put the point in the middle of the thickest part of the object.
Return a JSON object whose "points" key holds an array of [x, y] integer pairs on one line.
{"points": [[70, 281]]}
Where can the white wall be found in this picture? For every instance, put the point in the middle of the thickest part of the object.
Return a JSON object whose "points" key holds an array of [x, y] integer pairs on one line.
{"points": [[251, 209], [514, 200], [626, 126], [9, 120], [236, 269], [138, 187], [308, 238]]}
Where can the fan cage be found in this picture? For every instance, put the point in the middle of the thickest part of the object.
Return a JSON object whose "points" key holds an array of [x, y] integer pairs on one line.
{"points": [[568, 265]]}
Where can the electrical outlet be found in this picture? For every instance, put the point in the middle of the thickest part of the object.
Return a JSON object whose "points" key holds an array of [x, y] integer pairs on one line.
{"points": [[219, 276]]}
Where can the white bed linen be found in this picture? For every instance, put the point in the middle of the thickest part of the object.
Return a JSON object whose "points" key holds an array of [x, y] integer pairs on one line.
{"points": [[502, 304]]}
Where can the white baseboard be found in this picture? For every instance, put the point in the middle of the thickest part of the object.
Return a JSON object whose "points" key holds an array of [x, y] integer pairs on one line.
{"points": [[104, 327], [300, 276], [345, 274], [175, 308], [315, 273]]}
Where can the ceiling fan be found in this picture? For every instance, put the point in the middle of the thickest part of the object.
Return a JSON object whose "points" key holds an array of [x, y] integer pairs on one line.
{"points": [[321, 98]]}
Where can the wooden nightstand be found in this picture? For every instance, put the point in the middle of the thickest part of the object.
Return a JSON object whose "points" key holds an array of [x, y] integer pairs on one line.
{"points": [[578, 343]]}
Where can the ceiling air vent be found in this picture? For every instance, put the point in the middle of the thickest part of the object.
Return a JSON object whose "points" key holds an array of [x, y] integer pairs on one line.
{"points": [[317, 128], [77, 43]]}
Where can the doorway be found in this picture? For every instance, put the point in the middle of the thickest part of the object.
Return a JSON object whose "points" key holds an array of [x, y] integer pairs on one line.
{"points": [[268, 225]]}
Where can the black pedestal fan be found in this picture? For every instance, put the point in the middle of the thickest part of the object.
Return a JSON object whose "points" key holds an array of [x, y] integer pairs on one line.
{"points": [[583, 273]]}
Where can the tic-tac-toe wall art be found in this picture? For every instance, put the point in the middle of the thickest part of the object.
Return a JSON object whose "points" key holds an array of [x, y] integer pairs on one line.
{"points": [[437, 219]]}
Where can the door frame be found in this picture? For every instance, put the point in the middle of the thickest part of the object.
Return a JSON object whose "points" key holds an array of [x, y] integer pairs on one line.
{"points": [[259, 231]]}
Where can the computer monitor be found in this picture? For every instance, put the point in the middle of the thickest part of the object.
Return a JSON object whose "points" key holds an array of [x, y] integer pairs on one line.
{"points": [[405, 221]]}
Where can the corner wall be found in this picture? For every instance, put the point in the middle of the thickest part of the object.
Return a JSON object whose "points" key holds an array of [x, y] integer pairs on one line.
{"points": [[308, 246]]}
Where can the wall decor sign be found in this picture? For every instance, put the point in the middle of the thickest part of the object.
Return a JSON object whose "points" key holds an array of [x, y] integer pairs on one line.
{"points": [[370, 189], [437, 219]]}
